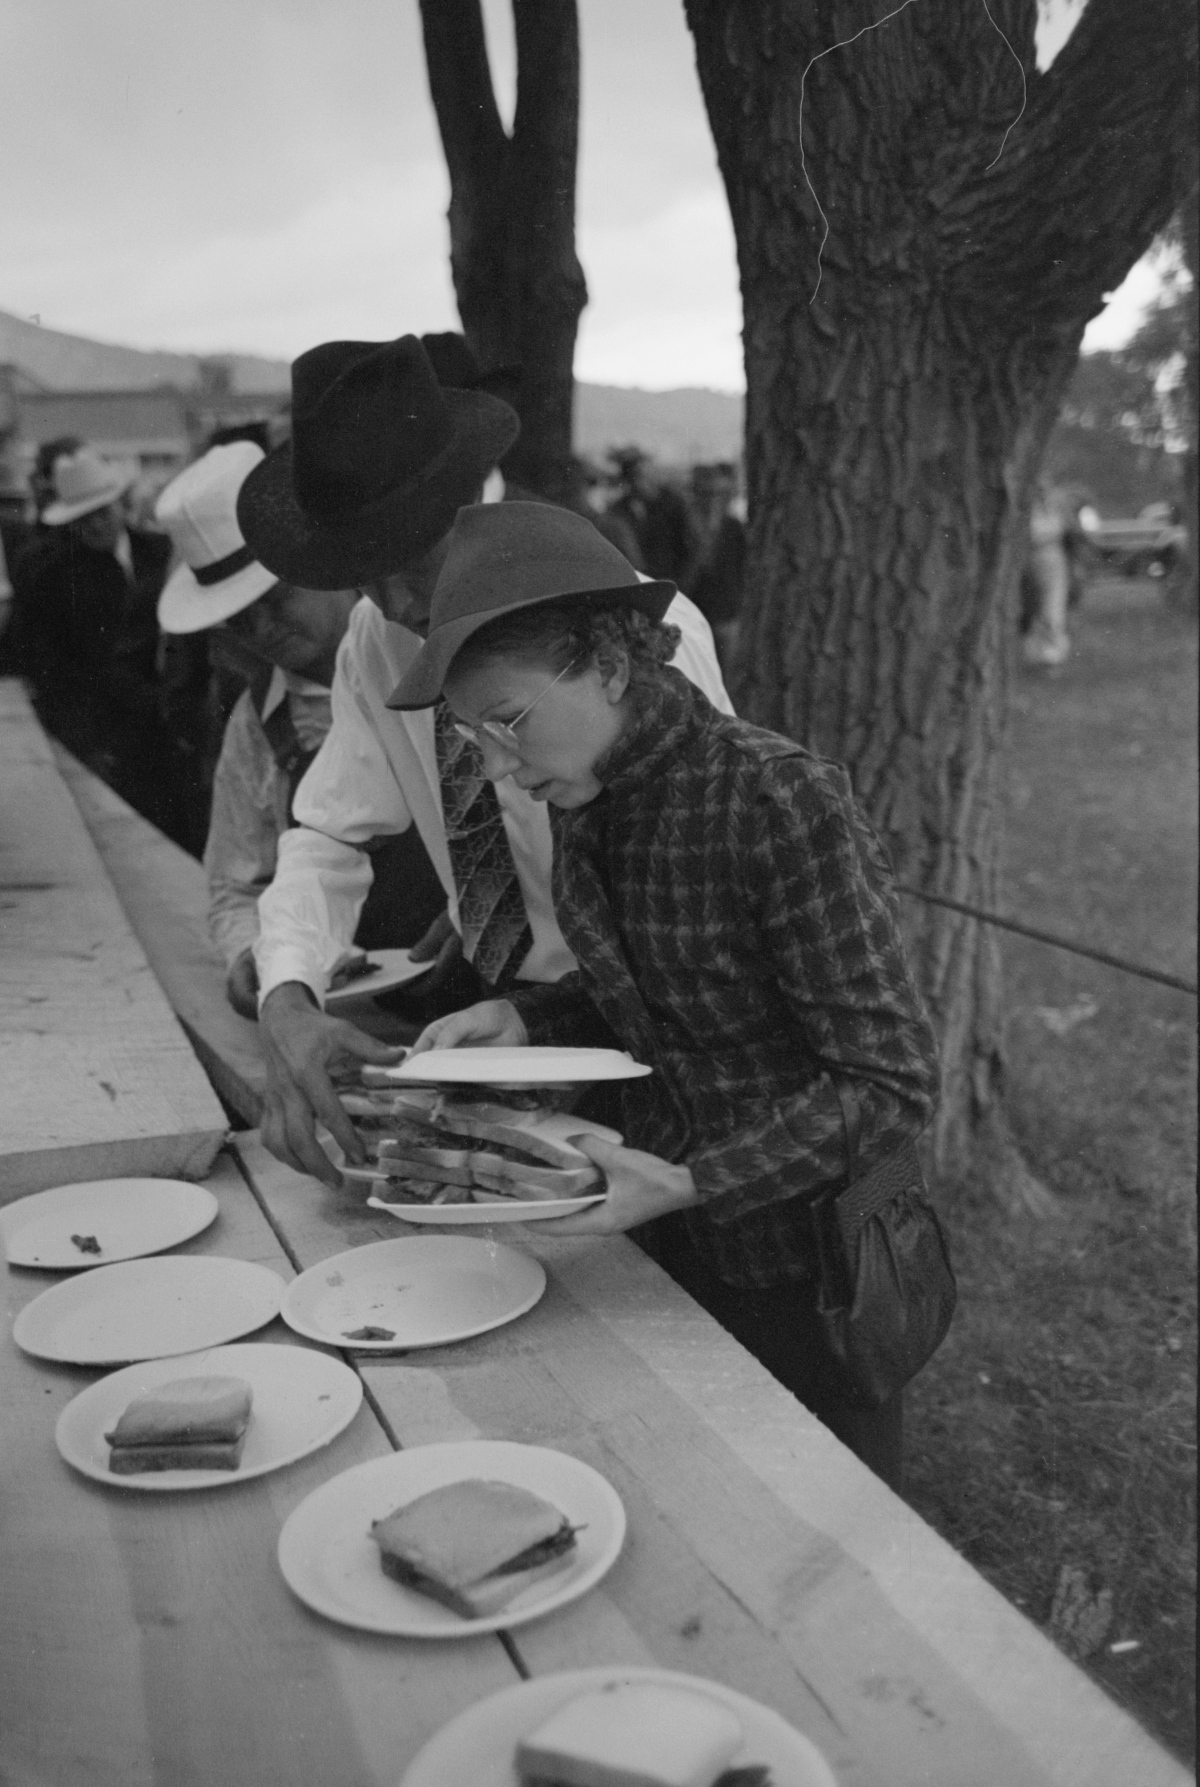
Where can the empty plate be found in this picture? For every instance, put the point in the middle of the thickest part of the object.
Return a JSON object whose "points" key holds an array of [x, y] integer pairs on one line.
{"points": [[148, 1309], [103, 1220], [330, 1561], [302, 1400], [477, 1749], [424, 1290], [526, 1066], [393, 968]]}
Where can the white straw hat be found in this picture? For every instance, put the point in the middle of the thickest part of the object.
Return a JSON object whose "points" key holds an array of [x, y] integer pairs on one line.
{"points": [[83, 483], [220, 574]]}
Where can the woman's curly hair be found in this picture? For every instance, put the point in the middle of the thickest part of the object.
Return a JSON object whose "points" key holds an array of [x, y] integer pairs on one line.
{"points": [[579, 632]]}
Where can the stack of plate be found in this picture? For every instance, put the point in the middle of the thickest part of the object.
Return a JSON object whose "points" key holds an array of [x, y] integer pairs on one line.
{"points": [[506, 1069]]}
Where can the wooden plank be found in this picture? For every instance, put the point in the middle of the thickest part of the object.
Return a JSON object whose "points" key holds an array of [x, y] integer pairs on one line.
{"points": [[164, 893], [760, 1552], [96, 1077], [152, 1640]]}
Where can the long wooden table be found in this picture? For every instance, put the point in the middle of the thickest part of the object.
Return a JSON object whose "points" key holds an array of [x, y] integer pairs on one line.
{"points": [[152, 1639], [148, 1639]]}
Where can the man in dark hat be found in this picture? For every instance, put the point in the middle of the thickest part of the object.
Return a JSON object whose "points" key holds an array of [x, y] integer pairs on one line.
{"points": [[364, 495]]}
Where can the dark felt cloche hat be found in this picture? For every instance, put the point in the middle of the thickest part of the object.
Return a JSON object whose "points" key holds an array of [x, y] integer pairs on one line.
{"points": [[505, 556], [381, 458]]}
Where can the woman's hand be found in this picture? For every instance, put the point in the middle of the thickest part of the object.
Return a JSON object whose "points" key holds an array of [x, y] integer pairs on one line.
{"points": [[640, 1186], [492, 1024]]}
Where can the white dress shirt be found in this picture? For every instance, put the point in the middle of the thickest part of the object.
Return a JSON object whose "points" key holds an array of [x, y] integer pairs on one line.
{"points": [[377, 774]]}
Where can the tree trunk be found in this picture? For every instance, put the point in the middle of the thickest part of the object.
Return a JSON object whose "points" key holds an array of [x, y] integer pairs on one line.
{"points": [[901, 384], [519, 285], [1189, 233]]}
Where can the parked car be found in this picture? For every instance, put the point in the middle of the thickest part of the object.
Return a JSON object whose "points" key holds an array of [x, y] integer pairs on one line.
{"points": [[1151, 545]]}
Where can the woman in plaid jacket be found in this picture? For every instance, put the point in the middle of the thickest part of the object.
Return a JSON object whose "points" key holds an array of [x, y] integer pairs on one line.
{"points": [[732, 915]]}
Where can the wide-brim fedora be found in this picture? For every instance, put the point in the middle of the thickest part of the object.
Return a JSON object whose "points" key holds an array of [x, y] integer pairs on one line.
{"points": [[219, 575], [83, 483], [380, 460], [505, 556]]}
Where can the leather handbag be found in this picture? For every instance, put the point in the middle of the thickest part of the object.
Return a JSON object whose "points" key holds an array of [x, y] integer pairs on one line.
{"points": [[886, 1289]]}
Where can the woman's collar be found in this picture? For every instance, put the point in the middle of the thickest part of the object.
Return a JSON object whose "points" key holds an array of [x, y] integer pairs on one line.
{"points": [[659, 722]]}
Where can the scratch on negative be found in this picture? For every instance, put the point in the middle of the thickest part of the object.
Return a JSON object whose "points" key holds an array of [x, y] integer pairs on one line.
{"points": [[803, 162], [1024, 90], [845, 41]]}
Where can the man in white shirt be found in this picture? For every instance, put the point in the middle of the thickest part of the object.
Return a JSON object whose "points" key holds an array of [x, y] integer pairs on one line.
{"points": [[287, 640], [366, 494]]}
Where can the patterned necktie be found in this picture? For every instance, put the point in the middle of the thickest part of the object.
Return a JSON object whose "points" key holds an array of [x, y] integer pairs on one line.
{"points": [[491, 911]]}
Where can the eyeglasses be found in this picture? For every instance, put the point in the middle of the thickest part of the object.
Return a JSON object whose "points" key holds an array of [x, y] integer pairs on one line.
{"points": [[504, 733]]}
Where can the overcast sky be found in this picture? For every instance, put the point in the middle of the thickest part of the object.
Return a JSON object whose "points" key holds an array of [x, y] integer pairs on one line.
{"points": [[265, 174]]}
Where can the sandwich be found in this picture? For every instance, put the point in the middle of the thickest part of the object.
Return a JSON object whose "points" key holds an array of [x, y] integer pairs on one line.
{"points": [[191, 1423], [634, 1734], [438, 1147], [473, 1546]]}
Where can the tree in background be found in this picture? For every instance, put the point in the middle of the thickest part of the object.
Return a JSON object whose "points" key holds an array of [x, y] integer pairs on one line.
{"points": [[519, 285], [1127, 425], [924, 225]]}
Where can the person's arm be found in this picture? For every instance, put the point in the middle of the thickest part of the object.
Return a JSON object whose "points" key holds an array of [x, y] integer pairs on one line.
{"points": [[248, 813], [825, 907], [349, 796], [822, 900], [307, 920]]}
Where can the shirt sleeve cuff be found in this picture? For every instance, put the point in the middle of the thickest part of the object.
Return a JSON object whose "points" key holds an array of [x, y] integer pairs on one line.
{"points": [[287, 964]]}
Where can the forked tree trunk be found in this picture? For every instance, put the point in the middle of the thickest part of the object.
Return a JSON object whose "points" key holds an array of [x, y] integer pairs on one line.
{"points": [[519, 285], [895, 420]]}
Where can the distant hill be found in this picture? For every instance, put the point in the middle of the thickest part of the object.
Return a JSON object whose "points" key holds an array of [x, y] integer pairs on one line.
{"points": [[675, 427], [61, 362]]}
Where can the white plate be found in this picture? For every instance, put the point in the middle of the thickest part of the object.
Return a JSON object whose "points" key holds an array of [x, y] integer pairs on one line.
{"points": [[477, 1748], [302, 1400], [127, 1217], [148, 1309], [475, 1215], [330, 1561], [517, 1067], [397, 968], [428, 1289]]}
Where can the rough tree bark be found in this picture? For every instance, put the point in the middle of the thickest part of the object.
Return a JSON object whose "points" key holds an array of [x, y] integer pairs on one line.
{"points": [[1189, 235], [519, 285], [895, 421]]}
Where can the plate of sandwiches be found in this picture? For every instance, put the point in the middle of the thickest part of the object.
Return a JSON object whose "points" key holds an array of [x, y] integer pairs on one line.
{"points": [[449, 1540], [445, 1155], [363, 975], [426, 1290], [210, 1419], [148, 1309], [618, 1727], [528, 1065], [72, 1227]]}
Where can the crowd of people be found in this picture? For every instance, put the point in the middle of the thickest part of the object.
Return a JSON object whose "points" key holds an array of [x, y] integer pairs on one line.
{"points": [[496, 730]]}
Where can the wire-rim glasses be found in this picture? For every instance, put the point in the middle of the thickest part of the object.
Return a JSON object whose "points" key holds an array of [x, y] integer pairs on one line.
{"points": [[504, 732]]}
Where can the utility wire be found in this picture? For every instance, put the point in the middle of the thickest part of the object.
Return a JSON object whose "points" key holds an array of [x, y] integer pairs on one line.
{"points": [[1076, 949]]}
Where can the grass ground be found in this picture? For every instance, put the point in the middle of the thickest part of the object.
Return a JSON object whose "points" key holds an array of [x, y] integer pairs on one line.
{"points": [[1052, 1440]]}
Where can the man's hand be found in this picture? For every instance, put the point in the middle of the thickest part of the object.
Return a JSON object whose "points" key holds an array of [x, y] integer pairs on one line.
{"points": [[241, 985], [640, 1186], [442, 946], [301, 1045], [494, 1024]]}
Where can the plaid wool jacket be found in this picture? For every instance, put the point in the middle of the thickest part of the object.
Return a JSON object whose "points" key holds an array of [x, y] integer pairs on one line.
{"points": [[735, 924]]}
